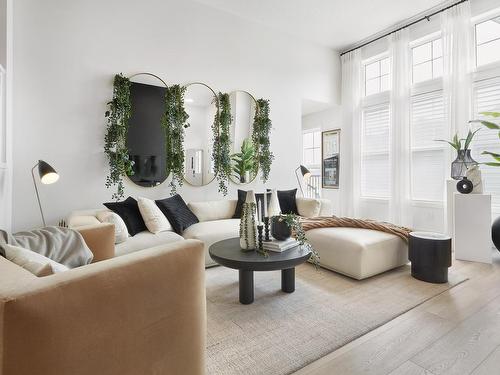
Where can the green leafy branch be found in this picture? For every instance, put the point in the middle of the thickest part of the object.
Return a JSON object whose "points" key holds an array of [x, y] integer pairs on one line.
{"points": [[244, 161], [293, 222], [493, 126], [261, 138], [115, 148], [456, 142], [174, 122], [221, 154]]}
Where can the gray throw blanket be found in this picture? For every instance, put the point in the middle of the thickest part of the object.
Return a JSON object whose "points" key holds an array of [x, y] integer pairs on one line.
{"points": [[62, 245]]}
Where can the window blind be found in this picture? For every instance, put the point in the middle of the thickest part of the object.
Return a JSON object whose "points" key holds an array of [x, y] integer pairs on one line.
{"points": [[427, 123], [375, 138], [487, 99]]}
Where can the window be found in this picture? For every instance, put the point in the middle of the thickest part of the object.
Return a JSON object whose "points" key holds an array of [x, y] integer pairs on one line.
{"points": [[487, 99], [427, 61], [428, 159], [311, 158], [375, 144], [377, 76], [311, 148], [488, 41]]}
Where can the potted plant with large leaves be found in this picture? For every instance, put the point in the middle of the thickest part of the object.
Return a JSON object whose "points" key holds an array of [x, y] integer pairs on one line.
{"points": [[244, 161], [464, 159]]}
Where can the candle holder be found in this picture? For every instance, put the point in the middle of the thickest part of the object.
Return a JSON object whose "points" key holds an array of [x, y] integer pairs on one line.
{"points": [[266, 229], [259, 236]]}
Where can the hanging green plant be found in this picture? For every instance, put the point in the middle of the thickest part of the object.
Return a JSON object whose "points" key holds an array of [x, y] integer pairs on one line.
{"points": [[293, 222], [221, 154], [173, 122], [261, 137], [115, 148]]}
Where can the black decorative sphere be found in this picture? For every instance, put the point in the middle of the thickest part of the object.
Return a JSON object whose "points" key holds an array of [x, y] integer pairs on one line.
{"points": [[465, 186], [495, 233], [280, 229]]}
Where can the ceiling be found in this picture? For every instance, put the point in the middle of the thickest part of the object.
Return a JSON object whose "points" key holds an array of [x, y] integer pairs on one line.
{"points": [[333, 23]]}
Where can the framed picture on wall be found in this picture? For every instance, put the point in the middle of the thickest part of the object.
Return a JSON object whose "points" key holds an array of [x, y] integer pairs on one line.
{"points": [[330, 159]]}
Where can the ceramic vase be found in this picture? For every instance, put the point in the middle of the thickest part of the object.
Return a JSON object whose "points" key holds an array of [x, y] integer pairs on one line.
{"points": [[248, 227], [280, 229]]}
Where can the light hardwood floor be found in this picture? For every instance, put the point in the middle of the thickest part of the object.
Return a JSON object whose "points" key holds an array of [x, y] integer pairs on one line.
{"points": [[456, 332]]}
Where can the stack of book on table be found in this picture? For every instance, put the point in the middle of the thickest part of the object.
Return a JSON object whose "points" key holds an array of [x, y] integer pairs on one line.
{"points": [[280, 246]]}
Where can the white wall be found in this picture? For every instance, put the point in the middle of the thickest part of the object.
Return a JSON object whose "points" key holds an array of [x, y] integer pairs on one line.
{"points": [[326, 120], [5, 115], [66, 53]]}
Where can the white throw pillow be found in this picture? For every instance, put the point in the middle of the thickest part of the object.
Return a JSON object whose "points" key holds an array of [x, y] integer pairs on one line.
{"points": [[154, 219], [121, 231], [308, 207], [213, 210], [31, 261]]}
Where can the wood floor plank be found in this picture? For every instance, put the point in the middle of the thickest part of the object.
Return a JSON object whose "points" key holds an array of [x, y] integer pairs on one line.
{"points": [[387, 351], [466, 346], [491, 365], [410, 368]]}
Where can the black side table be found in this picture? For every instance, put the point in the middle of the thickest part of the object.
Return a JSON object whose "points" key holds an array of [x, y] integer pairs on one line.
{"points": [[430, 256]]}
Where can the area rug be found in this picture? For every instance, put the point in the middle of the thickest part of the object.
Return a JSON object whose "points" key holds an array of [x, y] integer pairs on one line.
{"points": [[280, 333]]}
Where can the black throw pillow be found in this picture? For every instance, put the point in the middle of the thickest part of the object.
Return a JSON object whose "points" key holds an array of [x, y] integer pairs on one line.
{"points": [[177, 213], [288, 205], [242, 196], [128, 210]]}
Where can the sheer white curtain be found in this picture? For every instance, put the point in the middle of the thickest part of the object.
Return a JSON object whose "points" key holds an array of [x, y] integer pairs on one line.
{"points": [[349, 143], [458, 62], [399, 204]]}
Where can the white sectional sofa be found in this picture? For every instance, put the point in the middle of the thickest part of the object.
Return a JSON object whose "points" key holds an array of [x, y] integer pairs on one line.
{"points": [[354, 252], [216, 224]]}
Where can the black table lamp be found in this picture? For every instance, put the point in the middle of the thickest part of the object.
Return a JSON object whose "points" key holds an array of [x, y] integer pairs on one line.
{"points": [[48, 175], [305, 175]]}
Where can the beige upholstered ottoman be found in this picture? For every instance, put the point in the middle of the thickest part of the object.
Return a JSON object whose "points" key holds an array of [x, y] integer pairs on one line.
{"points": [[358, 253]]}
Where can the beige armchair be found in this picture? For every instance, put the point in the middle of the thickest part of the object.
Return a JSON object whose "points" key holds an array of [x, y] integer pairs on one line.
{"points": [[142, 313]]}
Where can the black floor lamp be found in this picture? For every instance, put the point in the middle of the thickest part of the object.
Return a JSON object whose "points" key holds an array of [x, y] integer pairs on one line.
{"points": [[48, 175], [305, 175]]}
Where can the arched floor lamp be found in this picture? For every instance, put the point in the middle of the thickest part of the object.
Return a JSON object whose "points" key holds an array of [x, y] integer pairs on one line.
{"points": [[48, 175]]}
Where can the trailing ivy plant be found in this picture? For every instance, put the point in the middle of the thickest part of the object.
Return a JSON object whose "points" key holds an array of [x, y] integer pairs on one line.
{"points": [[221, 154], [174, 122], [293, 222], [115, 148], [261, 137]]}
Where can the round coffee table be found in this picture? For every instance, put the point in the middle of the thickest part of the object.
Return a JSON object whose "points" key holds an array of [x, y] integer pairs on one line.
{"points": [[228, 253]]}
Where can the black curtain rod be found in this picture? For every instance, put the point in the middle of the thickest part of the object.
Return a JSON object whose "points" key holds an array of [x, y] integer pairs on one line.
{"points": [[428, 18]]}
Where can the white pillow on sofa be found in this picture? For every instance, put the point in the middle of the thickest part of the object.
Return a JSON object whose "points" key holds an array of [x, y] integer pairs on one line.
{"points": [[308, 207], [36, 263], [121, 231], [154, 219], [213, 210]]}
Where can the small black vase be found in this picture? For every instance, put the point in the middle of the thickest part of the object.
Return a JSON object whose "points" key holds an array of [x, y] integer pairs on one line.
{"points": [[280, 229], [465, 186]]}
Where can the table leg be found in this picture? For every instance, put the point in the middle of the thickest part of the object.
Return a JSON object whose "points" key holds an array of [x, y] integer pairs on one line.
{"points": [[288, 280], [246, 287]]}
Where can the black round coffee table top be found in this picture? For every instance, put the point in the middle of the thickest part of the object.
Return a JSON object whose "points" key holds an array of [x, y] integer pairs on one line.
{"points": [[228, 253]]}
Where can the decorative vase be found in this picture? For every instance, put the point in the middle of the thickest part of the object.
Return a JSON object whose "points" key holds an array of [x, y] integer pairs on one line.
{"points": [[465, 186], [280, 229], [474, 175], [461, 164], [248, 230], [273, 208], [495, 233], [247, 177]]}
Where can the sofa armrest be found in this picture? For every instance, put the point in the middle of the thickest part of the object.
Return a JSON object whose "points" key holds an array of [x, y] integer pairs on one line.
{"points": [[100, 238], [142, 313]]}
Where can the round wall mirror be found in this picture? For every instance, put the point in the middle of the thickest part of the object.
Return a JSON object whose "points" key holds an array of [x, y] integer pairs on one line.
{"points": [[145, 137], [244, 158], [201, 104]]}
